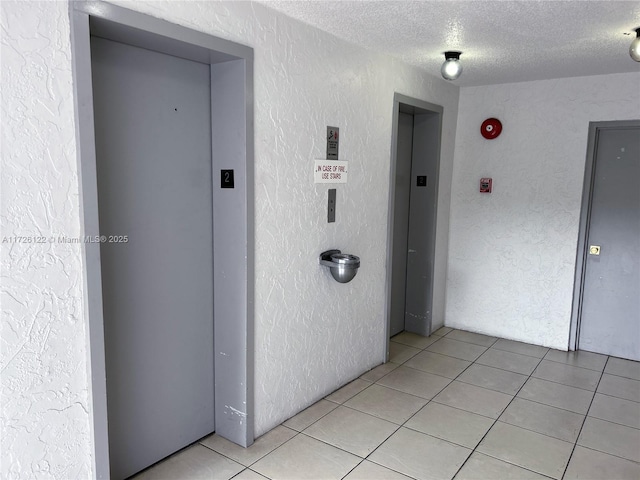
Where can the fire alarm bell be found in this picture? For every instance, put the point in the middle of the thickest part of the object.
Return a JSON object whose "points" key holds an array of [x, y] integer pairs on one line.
{"points": [[491, 128], [485, 185]]}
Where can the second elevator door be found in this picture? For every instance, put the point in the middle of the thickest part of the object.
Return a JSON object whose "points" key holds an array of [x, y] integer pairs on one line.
{"points": [[401, 222], [153, 149], [414, 228]]}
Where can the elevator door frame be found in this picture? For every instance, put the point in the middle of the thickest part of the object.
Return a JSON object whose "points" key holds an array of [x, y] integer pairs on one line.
{"points": [[405, 104], [233, 218]]}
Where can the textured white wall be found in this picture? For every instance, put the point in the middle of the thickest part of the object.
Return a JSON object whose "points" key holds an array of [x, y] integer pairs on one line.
{"points": [[45, 421], [312, 334], [512, 252]]}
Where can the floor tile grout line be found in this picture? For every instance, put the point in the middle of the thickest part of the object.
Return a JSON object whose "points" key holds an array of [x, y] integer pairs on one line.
{"points": [[573, 366], [552, 406], [439, 354], [614, 396], [443, 335], [619, 376], [297, 435], [355, 466], [496, 421], [497, 368], [440, 438], [422, 371], [622, 376], [461, 409], [258, 459], [423, 398], [584, 420], [272, 451], [370, 414], [320, 418], [510, 463], [615, 423], [386, 374], [174, 454], [422, 433], [414, 346], [560, 383], [610, 454], [516, 353], [504, 369], [569, 364], [534, 431], [459, 341], [396, 390], [389, 468], [342, 403], [398, 427], [247, 468], [379, 445], [477, 344], [462, 341], [451, 356], [520, 353], [386, 420]]}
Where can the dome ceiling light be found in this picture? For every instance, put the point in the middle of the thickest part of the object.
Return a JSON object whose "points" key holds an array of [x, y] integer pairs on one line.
{"points": [[634, 49], [451, 68]]}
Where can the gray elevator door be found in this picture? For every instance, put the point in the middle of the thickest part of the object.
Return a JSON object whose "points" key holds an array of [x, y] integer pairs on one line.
{"points": [[401, 223], [610, 315], [153, 147], [414, 221]]}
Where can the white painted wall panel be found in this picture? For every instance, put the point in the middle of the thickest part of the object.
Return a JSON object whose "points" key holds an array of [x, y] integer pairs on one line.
{"points": [[45, 420], [312, 334], [512, 252]]}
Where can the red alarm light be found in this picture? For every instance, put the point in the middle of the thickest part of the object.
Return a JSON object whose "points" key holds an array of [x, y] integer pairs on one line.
{"points": [[491, 128]]}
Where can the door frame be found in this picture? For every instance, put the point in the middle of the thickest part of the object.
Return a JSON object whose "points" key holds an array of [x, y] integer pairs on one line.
{"points": [[585, 220], [403, 103], [233, 209]]}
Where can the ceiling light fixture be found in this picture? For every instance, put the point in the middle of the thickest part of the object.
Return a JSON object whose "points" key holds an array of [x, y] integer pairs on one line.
{"points": [[634, 49], [451, 68]]}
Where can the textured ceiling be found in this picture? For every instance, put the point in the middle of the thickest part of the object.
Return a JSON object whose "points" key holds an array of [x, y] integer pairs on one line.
{"points": [[501, 41]]}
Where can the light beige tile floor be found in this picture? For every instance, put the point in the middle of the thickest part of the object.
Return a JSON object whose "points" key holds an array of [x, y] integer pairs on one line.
{"points": [[456, 405]]}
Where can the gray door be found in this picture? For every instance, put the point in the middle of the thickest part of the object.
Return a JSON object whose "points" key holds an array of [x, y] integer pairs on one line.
{"points": [[414, 221], [401, 222], [153, 143], [421, 244], [610, 314]]}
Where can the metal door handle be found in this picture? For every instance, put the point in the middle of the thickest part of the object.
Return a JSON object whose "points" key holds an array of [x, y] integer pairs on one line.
{"points": [[594, 250]]}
